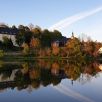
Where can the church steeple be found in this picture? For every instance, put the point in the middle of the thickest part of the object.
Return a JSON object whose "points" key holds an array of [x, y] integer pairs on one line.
{"points": [[72, 35]]}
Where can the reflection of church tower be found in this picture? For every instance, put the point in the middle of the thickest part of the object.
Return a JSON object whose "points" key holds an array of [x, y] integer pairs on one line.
{"points": [[72, 82], [72, 37]]}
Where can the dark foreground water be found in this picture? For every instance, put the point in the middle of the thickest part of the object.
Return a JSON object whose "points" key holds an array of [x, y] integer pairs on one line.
{"points": [[44, 81]]}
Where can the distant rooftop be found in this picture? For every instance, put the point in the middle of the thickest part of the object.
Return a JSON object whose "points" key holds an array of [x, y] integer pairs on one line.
{"points": [[3, 25], [4, 29]]}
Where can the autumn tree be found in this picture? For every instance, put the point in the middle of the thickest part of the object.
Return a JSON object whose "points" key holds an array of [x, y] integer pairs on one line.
{"points": [[88, 47], [63, 52], [36, 32], [55, 49], [34, 45], [48, 51], [73, 47], [26, 49]]}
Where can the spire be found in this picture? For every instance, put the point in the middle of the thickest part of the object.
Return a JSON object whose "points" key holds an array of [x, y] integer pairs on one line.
{"points": [[72, 35]]}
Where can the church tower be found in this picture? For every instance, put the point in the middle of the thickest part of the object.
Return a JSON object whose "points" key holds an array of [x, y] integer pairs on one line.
{"points": [[72, 37]]}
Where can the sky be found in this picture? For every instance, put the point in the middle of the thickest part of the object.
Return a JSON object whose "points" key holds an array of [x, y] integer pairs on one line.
{"points": [[46, 13]]}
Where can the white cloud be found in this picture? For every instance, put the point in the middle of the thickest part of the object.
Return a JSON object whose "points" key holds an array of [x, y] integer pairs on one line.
{"points": [[70, 20]]}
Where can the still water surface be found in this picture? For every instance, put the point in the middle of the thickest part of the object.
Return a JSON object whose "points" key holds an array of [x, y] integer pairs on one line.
{"points": [[44, 81]]}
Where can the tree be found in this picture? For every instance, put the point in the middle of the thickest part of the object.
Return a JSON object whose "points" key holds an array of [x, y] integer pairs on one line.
{"points": [[56, 35], [45, 38], [24, 35], [42, 53], [26, 49], [36, 32], [35, 43], [14, 27], [63, 52], [48, 51], [55, 49], [73, 47], [20, 38], [31, 26], [27, 37], [7, 42], [89, 47], [1, 53]]}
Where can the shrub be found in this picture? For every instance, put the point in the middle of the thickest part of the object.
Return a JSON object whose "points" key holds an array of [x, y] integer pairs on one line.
{"points": [[1, 53]]}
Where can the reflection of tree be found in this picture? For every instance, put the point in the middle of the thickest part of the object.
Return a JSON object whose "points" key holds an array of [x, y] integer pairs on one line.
{"points": [[92, 69], [25, 68], [55, 68], [84, 78], [45, 77], [6, 75], [34, 73], [35, 84], [1, 64], [44, 72], [55, 80], [73, 72]]}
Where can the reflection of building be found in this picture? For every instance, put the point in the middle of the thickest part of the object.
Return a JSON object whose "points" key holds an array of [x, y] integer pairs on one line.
{"points": [[4, 78], [55, 43], [100, 66]]}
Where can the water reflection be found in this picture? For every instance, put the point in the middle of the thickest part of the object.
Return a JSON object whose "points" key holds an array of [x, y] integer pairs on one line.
{"points": [[71, 93], [43, 73]]}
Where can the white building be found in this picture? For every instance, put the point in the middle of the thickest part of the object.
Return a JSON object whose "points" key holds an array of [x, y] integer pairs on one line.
{"points": [[100, 50], [9, 32]]}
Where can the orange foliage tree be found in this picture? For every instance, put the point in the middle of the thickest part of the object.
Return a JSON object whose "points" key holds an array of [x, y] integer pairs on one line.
{"points": [[55, 49]]}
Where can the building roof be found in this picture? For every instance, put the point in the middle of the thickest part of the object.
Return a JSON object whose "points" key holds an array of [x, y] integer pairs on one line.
{"points": [[7, 30], [3, 25]]}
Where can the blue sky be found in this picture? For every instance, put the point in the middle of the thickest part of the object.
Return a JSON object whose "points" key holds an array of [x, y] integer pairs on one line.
{"points": [[45, 13]]}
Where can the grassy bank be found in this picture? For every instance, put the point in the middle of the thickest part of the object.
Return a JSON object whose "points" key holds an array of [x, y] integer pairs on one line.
{"points": [[32, 58]]}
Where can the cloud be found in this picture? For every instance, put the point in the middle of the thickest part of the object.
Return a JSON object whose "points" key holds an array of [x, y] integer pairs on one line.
{"points": [[70, 20]]}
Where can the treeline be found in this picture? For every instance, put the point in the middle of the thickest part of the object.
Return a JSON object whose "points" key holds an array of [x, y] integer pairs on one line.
{"points": [[45, 43], [45, 37]]}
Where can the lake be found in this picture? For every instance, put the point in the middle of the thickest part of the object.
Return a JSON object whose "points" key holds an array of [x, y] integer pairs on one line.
{"points": [[50, 81]]}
